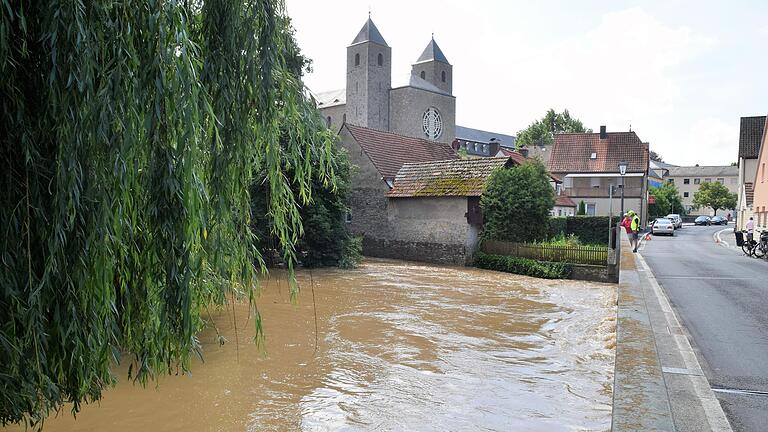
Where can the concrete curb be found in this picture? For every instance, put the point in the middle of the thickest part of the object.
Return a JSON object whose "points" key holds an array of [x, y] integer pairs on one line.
{"points": [[694, 405], [640, 399], [658, 382]]}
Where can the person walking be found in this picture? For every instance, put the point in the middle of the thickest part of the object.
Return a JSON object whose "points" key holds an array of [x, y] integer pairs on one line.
{"points": [[635, 229]]}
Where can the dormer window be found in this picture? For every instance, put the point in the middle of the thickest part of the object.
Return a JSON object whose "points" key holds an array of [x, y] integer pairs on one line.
{"points": [[593, 156]]}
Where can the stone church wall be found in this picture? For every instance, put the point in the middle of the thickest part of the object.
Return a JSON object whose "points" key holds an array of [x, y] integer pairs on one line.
{"points": [[406, 110], [337, 113]]}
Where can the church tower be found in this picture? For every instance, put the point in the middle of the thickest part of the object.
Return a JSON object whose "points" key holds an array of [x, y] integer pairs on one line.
{"points": [[369, 78], [433, 67]]}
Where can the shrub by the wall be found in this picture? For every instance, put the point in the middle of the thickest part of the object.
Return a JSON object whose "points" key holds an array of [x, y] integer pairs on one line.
{"points": [[589, 229], [522, 266]]}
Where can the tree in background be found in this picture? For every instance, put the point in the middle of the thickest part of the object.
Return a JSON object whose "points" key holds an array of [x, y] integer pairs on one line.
{"points": [[517, 202], [582, 209], [668, 200], [132, 133], [714, 195], [541, 132]]}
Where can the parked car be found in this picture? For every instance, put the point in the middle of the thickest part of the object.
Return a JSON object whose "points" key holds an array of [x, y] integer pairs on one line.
{"points": [[663, 226], [719, 220], [676, 220], [703, 220]]}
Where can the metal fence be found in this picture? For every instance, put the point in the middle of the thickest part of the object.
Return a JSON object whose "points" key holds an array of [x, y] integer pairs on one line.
{"points": [[594, 255]]}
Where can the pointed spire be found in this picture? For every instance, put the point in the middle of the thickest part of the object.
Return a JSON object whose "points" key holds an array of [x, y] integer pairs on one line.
{"points": [[432, 53], [369, 33]]}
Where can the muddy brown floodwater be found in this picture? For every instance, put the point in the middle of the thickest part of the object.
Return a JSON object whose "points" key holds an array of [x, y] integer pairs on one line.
{"points": [[401, 346]]}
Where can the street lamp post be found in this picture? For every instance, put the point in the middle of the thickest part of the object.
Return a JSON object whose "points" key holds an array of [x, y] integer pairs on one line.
{"points": [[622, 171]]}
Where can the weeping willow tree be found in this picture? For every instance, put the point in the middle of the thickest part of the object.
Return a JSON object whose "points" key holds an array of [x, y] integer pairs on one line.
{"points": [[131, 133]]}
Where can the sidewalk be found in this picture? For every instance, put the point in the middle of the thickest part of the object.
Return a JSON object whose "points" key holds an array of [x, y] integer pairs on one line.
{"points": [[658, 383]]}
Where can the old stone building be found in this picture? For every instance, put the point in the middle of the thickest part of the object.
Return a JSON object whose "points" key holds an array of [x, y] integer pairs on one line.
{"points": [[424, 107]]}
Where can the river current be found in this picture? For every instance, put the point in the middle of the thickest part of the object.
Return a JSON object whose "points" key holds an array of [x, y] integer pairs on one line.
{"points": [[399, 347]]}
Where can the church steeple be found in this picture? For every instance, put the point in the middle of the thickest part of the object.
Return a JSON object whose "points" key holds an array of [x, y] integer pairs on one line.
{"points": [[369, 33], [433, 67], [432, 53]]}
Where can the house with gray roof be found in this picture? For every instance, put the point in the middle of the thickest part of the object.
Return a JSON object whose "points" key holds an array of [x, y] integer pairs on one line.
{"points": [[750, 139]]}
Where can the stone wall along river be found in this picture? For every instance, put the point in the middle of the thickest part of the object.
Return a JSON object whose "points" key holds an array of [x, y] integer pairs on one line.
{"points": [[400, 347]]}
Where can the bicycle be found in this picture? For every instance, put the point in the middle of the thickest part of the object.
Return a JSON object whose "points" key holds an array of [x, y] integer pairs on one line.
{"points": [[754, 248]]}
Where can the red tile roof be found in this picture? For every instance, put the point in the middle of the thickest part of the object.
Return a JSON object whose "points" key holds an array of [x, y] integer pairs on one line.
{"points": [[572, 153], [517, 157], [564, 201], [389, 151]]}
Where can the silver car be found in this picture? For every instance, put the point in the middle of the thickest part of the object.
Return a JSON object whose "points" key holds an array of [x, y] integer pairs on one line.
{"points": [[677, 221], [663, 226]]}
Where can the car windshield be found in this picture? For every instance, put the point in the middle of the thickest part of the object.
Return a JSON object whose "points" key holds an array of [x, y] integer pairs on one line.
{"points": [[672, 216], [663, 221], [701, 218]]}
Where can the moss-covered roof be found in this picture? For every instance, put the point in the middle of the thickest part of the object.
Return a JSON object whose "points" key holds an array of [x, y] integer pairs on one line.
{"points": [[458, 177]]}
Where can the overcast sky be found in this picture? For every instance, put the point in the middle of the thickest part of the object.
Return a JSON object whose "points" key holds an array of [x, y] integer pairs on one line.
{"points": [[681, 72]]}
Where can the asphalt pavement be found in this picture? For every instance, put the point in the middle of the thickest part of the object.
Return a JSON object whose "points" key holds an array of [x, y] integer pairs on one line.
{"points": [[721, 297]]}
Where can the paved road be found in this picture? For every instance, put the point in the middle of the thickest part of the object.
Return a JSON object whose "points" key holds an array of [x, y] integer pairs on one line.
{"points": [[721, 297]]}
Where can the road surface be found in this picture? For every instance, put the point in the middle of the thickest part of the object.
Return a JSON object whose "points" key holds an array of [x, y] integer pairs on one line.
{"points": [[721, 297]]}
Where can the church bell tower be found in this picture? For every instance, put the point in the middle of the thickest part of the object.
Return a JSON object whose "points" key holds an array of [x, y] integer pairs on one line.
{"points": [[369, 78], [433, 67]]}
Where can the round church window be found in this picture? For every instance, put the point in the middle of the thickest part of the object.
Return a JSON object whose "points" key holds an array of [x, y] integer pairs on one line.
{"points": [[432, 123]]}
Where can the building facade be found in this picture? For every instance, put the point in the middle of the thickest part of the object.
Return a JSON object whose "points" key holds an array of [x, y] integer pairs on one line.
{"points": [[760, 181], [688, 180], [750, 139], [588, 164]]}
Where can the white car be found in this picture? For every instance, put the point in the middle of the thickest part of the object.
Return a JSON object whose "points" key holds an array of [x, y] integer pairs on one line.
{"points": [[677, 221], [663, 226]]}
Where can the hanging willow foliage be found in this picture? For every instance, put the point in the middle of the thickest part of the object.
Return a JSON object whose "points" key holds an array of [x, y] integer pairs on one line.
{"points": [[131, 132]]}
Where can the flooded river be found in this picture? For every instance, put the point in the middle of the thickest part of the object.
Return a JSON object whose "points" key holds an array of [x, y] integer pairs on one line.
{"points": [[400, 346]]}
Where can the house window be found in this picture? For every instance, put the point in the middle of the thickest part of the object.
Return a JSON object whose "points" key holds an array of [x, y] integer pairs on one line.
{"points": [[357, 59], [593, 156], [696, 181], [685, 194], [348, 217], [671, 181], [686, 181], [381, 59], [423, 75], [721, 180], [442, 76], [762, 176], [559, 211], [590, 209]]}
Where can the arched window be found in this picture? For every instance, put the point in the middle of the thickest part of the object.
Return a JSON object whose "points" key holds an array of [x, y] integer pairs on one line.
{"points": [[328, 121], [423, 75], [381, 59], [442, 75], [357, 59]]}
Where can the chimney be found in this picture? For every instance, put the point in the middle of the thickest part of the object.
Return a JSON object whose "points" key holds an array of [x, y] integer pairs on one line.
{"points": [[493, 146], [603, 133], [523, 151]]}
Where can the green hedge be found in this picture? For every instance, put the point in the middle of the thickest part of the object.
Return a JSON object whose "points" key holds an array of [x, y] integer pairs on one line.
{"points": [[522, 266], [589, 229]]}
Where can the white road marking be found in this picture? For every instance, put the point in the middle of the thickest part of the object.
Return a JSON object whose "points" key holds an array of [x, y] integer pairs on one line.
{"points": [[712, 409], [717, 239]]}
